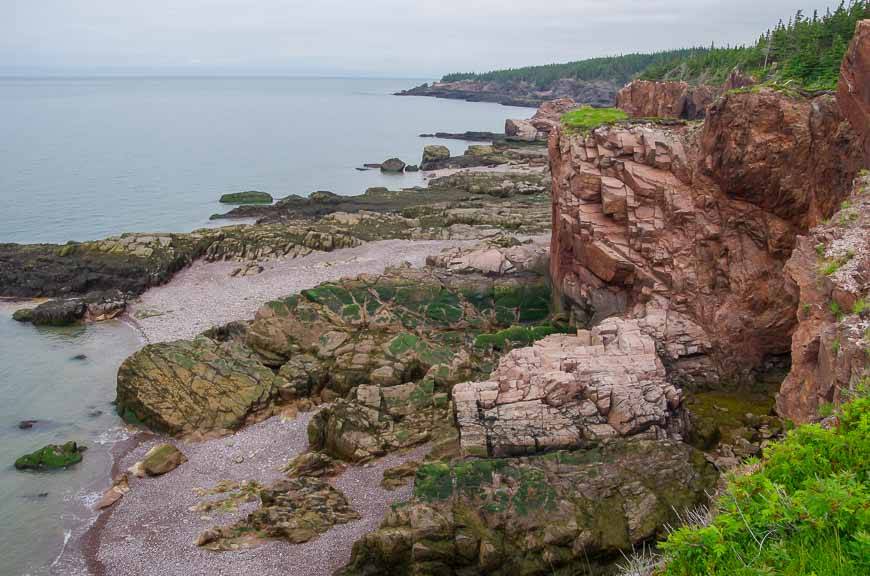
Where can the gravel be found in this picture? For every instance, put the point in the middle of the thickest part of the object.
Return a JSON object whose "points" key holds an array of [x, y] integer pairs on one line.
{"points": [[152, 531], [206, 295]]}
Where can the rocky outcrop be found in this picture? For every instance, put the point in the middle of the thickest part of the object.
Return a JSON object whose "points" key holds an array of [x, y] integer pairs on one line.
{"points": [[392, 165], [494, 259], [688, 230], [296, 510], [564, 512], [539, 126], [592, 92], [829, 273], [434, 153], [568, 391], [95, 307], [160, 460], [198, 386], [647, 99], [853, 89]]}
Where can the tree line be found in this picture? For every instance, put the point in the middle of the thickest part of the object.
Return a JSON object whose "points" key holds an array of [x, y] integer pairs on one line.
{"points": [[806, 50]]}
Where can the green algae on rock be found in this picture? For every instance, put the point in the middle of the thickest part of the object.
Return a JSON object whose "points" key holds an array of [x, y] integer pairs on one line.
{"points": [[547, 514], [296, 510], [249, 197], [51, 457], [162, 459]]}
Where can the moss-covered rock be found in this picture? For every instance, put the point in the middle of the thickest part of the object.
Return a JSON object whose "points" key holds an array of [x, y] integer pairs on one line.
{"points": [[199, 386], [51, 457], [249, 197], [560, 513], [161, 459]]}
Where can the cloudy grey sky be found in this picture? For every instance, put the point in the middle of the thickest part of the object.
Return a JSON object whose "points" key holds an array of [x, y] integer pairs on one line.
{"points": [[413, 38]]}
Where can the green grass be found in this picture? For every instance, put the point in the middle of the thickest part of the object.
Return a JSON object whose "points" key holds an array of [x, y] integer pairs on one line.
{"points": [[587, 119], [860, 306], [804, 511]]}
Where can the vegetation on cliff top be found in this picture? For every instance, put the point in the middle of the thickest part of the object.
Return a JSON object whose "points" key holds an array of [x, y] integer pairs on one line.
{"points": [[804, 510], [586, 118], [806, 51]]}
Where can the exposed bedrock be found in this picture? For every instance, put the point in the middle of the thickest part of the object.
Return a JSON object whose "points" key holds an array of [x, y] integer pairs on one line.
{"points": [[390, 345], [647, 99], [829, 273], [569, 391], [853, 90], [539, 126], [688, 229], [560, 513]]}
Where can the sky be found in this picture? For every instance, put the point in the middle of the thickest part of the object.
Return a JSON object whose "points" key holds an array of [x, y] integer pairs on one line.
{"points": [[386, 38]]}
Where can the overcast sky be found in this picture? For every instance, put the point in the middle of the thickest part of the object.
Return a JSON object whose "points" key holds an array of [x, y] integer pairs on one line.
{"points": [[408, 38]]}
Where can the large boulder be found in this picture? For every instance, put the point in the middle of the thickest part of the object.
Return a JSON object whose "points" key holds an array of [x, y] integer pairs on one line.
{"points": [[392, 165], [162, 459], [198, 386], [433, 154], [564, 512], [853, 89]]}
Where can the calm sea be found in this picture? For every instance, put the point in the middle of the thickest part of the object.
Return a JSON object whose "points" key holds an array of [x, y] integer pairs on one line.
{"points": [[84, 158]]}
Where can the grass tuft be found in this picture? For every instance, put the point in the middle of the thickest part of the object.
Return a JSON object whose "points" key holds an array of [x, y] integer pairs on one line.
{"points": [[587, 119]]}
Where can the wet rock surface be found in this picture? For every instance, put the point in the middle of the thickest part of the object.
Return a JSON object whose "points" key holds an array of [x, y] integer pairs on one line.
{"points": [[51, 457], [535, 515]]}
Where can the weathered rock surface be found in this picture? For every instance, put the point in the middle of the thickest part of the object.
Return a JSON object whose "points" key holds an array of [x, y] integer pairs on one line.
{"points": [[95, 307], [568, 391], [296, 510], [198, 386], [51, 457], [539, 126], [688, 230], [829, 274], [162, 459], [853, 89], [557, 513], [493, 259], [434, 153], [647, 99], [392, 165]]}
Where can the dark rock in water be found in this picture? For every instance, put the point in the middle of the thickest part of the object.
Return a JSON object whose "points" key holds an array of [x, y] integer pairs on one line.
{"points": [[370, 165], [412, 168], [249, 197], [324, 197], [27, 424], [23, 315], [472, 136], [58, 312], [392, 165], [95, 413], [362, 169], [79, 357], [51, 457]]}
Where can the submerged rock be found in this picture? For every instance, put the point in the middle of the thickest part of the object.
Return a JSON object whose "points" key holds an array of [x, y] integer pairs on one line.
{"points": [[51, 457], [392, 165], [558, 512]]}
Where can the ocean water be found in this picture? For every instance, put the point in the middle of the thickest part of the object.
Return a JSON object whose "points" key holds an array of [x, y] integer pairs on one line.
{"points": [[84, 158]]}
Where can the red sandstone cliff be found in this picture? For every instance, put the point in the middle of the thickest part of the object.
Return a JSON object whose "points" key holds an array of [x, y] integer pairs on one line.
{"points": [[646, 99], [853, 91], [688, 229]]}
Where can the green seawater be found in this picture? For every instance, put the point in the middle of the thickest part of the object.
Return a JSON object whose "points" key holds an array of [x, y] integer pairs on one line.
{"points": [[71, 399]]}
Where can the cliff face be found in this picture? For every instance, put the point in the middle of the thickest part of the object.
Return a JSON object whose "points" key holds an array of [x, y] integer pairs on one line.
{"points": [[645, 99], [538, 127], [853, 93], [688, 229]]}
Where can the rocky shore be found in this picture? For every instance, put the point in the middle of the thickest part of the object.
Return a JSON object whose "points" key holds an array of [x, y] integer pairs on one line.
{"points": [[542, 361]]}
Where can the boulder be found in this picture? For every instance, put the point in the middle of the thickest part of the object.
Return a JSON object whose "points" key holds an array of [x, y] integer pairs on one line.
{"points": [[51, 457], [313, 464], [392, 165], [564, 512], [434, 153], [199, 386], [161, 459]]}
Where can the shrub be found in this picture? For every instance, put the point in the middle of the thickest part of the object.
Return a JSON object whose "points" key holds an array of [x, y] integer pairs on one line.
{"points": [[805, 510]]}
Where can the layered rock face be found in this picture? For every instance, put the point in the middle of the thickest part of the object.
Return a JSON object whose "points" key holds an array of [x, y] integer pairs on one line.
{"points": [[830, 276], [561, 513], [646, 99], [568, 391], [687, 230], [539, 126], [853, 90]]}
